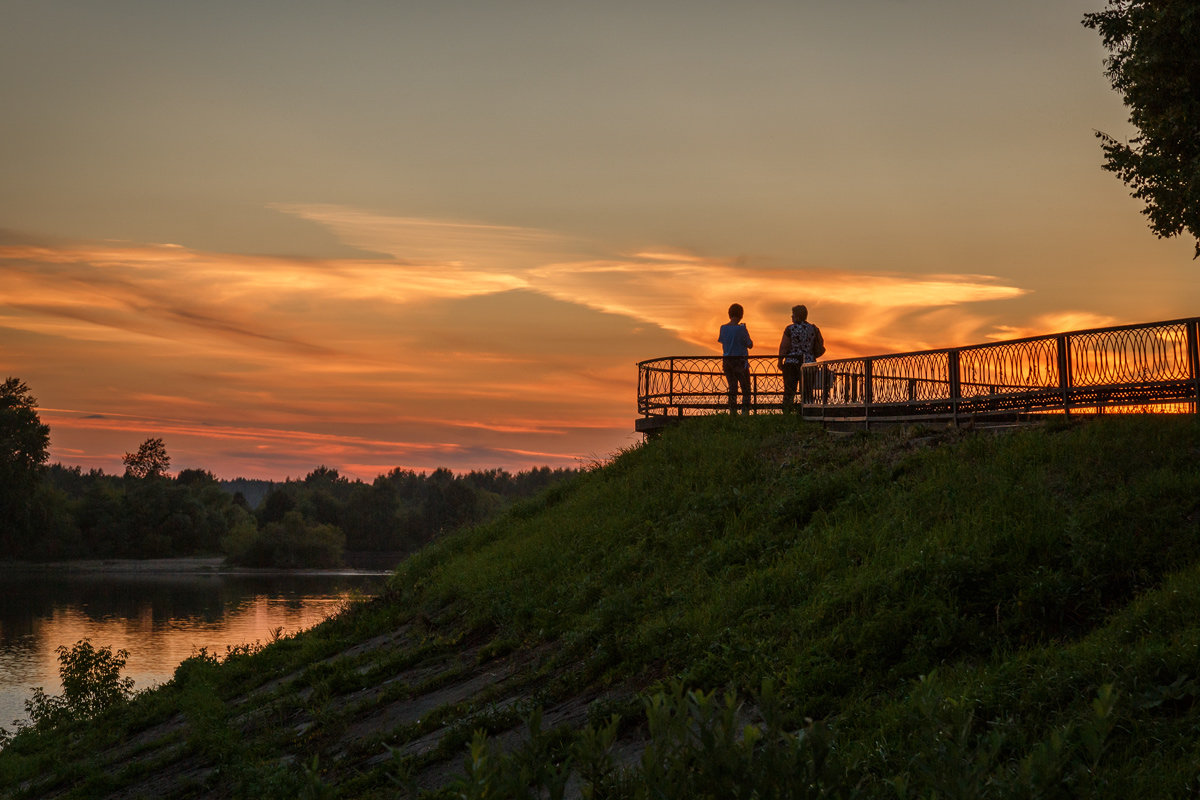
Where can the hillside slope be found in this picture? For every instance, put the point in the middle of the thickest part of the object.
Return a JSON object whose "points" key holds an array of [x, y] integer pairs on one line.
{"points": [[900, 614]]}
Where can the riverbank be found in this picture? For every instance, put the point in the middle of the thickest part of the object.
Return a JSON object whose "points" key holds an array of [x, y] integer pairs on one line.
{"points": [[160, 613], [193, 565], [127, 565], [742, 606]]}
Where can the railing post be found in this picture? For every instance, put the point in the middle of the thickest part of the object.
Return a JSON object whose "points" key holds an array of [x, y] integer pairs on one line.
{"points": [[868, 394], [1064, 372], [806, 387], [798, 398], [643, 400], [671, 385], [955, 384], [1193, 337]]}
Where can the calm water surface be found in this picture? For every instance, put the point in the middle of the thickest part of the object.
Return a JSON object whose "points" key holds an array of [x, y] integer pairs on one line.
{"points": [[160, 617]]}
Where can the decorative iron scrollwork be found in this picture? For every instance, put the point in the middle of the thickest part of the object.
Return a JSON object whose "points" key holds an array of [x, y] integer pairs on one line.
{"points": [[1145, 367]]}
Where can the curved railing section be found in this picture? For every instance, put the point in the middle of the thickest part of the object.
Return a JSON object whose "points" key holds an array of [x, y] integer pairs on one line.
{"points": [[1153, 366]]}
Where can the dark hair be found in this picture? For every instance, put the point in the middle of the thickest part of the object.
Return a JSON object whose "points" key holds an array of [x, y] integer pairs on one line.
{"points": [[735, 311], [800, 311]]}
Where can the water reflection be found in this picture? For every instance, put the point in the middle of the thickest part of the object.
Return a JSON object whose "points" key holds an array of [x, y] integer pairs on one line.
{"points": [[160, 618]]}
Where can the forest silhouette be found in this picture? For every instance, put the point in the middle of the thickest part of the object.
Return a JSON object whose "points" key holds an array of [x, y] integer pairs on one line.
{"points": [[57, 512]]}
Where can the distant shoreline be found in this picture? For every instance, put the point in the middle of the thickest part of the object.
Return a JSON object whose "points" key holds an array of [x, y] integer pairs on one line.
{"points": [[191, 565]]}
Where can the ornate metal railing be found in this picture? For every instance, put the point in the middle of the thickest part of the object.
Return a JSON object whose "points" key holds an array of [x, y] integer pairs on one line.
{"points": [[1153, 366]]}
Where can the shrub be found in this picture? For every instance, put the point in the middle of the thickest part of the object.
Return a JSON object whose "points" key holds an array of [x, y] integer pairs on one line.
{"points": [[92, 683]]}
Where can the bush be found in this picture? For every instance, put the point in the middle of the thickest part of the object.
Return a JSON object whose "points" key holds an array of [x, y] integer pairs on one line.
{"points": [[92, 683]]}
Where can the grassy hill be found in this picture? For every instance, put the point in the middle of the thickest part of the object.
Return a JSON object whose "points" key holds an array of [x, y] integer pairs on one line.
{"points": [[747, 607]]}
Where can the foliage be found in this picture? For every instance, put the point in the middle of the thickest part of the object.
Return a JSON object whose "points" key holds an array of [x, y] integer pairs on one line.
{"points": [[402, 510], [23, 443], [104, 516], [23, 437], [150, 460], [196, 477], [714, 745], [1155, 65], [91, 678], [294, 541], [845, 571], [92, 684]]}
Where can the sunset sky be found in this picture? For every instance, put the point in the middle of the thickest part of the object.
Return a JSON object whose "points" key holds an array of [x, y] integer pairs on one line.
{"points": [[376, 234]]}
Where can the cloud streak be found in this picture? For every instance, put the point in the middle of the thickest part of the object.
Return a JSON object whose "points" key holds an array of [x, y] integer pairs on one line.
{"points": [[683, 293], [447, 344]]}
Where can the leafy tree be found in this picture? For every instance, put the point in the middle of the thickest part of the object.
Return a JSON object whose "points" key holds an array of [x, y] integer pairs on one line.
{"points": [[241, 542], [324, 476], [150, 460], [146, 515], [23, 437], [101, 518], [281, 500], [23, 454], [195, 477], [1155, 65]]}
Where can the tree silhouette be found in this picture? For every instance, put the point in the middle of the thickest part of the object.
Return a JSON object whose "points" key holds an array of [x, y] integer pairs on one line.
{"points": [[150, 460], [23, 453], [195, 477], [23, 437], [1155, 65]]}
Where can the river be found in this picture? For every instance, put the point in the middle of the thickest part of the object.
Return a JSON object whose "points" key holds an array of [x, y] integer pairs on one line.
{"points": [[160, 612]]}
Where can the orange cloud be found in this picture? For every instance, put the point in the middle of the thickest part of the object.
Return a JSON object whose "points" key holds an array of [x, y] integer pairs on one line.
{"points": [[1054, 322], [689, 296], [683, 293], [463, 345]]}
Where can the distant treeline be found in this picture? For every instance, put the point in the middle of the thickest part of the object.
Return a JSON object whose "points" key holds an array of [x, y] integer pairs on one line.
{"points": [[399, 511], [306, 522], [56, 512]]}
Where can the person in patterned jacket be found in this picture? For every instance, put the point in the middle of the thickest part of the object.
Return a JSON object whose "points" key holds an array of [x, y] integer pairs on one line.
{"points": [[802, 343]]}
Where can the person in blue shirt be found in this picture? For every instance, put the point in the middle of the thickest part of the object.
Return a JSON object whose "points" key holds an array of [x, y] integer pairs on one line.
{"points": [[736, 343]]}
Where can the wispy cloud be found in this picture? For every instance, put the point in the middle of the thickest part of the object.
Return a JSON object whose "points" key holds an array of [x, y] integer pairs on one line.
{"points": [[456, 341], [683, 293], [688, 296], [1054, 322], [423, 242]]}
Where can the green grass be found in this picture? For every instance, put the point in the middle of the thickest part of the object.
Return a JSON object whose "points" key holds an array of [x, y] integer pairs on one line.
{"points": [[729, 544], [910, 613]]}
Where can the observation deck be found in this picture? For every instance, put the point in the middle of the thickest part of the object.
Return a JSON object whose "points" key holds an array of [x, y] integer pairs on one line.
{"points": [[1149, 367]]}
